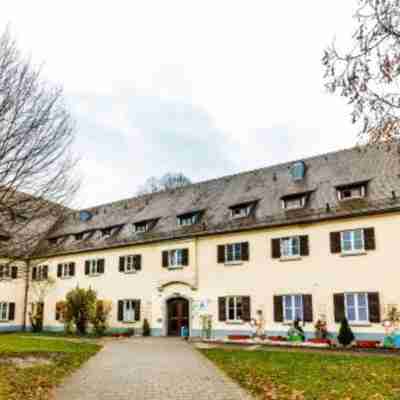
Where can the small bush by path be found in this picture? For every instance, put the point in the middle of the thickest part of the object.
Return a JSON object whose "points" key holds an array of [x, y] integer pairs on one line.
{"points": [[310, 376], [47, 363]]}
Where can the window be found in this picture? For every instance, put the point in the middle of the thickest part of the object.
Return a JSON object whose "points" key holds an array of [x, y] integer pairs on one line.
{"points": [[94, 267], [130, 263], [293, 308], [175, 258], [293, 203], [189, 219], [3, 311], [233, 253], [106, 232], [241, 210], [129, 311], [5, 272], [144, 226], [234, 309], [290, 247], [356, 307], [66, 270], [40, 273], [352, 241], [351, 192], [78, 236]]}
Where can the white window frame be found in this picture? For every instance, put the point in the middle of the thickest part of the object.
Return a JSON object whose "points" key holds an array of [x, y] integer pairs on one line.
{"points": [[39, 272], [65, 270], [235, 300], [188, 219], [4, 311], [353, 189], [352, 240], [357, 307], [5, 272], [297, 312], [175, 258], [129, 264], [236, 251], [301, 203], [94, 267], [292, 250], [128, 314]]}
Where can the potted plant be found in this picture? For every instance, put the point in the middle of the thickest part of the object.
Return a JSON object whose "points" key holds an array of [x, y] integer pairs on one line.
{"points": [[346, 335]]}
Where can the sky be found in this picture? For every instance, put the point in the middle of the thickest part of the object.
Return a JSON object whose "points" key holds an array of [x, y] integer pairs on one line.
{"points": [[206, 88]]}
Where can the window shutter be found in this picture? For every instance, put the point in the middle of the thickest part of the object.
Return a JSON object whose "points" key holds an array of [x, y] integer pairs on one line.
{"points": [[14, 272], [87, 267], [11, 311], [304, 246], [45, 272], [221, 254], [100, 265], [246, 308], [222, 308], [120, 310], [336, 246], [59, 270], [374, 308], [137, 262], [165, 259], [72, 269], [34, 273], [57, 311], [276, 248], [338, 302], [245, 251], [137, 310], [369, 238], [307, 308], [185, 257], [122, 264], [278, 308]]}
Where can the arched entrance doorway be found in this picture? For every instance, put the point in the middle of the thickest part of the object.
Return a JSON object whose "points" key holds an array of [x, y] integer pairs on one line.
{"points": [[177, 315]]}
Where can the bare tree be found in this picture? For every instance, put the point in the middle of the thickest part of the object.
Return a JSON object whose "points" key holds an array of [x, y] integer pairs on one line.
{"points": [[367, 74], [36, 166], [167, 182]]}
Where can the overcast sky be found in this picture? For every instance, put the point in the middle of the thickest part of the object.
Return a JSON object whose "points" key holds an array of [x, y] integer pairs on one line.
{"points": [[206, 88]]}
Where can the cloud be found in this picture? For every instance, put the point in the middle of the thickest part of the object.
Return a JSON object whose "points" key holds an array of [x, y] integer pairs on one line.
{"points": [[129, 137]]}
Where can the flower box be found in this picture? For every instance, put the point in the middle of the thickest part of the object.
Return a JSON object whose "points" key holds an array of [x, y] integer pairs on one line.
{"points": [[239, 337], [367, 344], [277, 338], [320, 341]]}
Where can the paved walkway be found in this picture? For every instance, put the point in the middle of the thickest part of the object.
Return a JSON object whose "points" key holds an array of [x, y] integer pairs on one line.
{"points": [[149, 369]]}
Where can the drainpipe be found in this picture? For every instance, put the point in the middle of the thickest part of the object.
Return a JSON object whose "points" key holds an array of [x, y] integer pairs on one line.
{"points": [[28, 270]]}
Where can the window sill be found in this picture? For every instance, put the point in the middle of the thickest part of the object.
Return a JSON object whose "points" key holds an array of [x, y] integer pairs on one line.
{"points": [[229, 263], [129, 272], [354, 253], [235, 322], [128, 322], [290, 258], [6, 279], [65, 277], [94, 275], [4, 321], [360, 324], [177, 268]]}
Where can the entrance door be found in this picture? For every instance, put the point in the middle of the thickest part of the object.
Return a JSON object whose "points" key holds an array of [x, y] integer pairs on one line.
{"points": [[178, 315]]}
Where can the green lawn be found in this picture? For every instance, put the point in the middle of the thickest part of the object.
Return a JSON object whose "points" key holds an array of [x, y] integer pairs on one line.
{"points": [[36, 382], [312, 376]]}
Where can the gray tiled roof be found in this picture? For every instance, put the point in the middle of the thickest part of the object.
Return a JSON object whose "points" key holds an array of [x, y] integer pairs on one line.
{"points": [[377, 164]]}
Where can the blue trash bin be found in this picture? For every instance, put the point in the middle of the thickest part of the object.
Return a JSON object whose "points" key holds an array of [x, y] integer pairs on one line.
{"points": [[185, 331]]}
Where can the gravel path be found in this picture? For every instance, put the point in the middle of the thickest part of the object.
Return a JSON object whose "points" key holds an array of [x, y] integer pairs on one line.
{"points": [[149, 369]]}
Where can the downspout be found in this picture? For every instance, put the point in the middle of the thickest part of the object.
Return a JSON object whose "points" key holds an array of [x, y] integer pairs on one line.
{"points": [[28, 270]]}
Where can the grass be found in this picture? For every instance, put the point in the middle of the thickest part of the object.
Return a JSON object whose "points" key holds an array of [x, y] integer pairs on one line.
{"points": [[311, 376], [36, 382]]}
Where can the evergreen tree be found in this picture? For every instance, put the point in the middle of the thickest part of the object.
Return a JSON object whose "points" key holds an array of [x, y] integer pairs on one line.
{"points": [[346, 335]]}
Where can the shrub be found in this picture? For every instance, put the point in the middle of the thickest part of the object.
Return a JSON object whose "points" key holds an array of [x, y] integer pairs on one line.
{"points": [[100, 317], [146, 328], [80, 308], [345, 336]]}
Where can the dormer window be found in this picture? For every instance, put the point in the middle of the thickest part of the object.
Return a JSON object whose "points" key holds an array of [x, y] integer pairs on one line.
{"points": [[106, 232], [295, 201], [78, 236], [144, 226], [242, 210], [349, 192], [187, 219]]}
